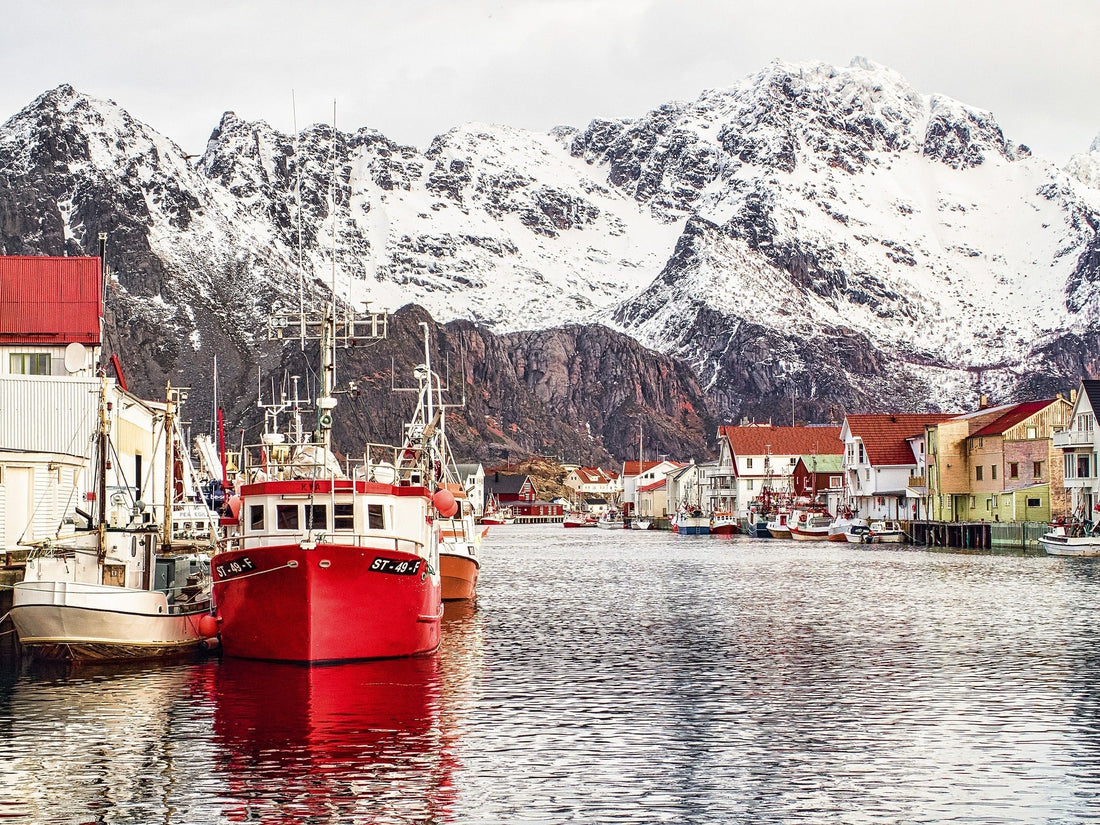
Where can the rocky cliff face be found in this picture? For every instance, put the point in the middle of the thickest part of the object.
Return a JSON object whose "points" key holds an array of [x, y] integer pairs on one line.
{"points": [[811, 241]]}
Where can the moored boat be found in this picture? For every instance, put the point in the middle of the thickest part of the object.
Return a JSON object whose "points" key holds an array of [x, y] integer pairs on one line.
{"points": [[1071, 540], [126, 584], [691, 521], [885, 532], [778, 525], [640, 523], [576, 518], [611, 519], [495, 514], [324, 567], [810, 525], [724, 523]]}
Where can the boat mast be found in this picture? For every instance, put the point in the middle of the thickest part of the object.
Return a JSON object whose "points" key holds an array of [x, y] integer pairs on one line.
{"points": [[101, 481]]}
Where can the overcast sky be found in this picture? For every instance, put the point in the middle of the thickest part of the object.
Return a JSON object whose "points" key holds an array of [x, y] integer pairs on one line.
{"points": [[414, 68]]}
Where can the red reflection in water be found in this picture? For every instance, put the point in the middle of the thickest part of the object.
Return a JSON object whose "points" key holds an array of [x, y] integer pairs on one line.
{"points": [[357, 742]]}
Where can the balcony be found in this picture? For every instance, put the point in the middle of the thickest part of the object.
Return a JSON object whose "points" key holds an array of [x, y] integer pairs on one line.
{"points": [[1074, 438]]}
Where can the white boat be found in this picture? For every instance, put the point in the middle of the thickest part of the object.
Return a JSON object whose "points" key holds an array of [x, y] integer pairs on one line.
{"points": [[843, 524], [779, 525], [640, 524], [858, 532], [1071, 540], [885, 532], [126, 583], [810, 525], [691, 521], [610, 520], [724, 523]]}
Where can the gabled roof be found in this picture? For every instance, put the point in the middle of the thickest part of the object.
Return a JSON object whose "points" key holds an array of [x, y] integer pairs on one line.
{"points": [[1091, 388], [823, 463], [884, 434], [1015, 414], [504, 483], [636, 468], [656, 485], [593, 475], [764, 439]]}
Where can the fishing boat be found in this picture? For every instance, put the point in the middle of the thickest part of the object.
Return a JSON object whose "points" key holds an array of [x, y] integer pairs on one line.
{"points": [[326, 565], [495, 514], [778, 524], [1075, 539], [459, 537], [724, 523], [576, 518], [611, 519], [129, 580], [692, 521], [810, 525], [642, 523], [842, 524]]}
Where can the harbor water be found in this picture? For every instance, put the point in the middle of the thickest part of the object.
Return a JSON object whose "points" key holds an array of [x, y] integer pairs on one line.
{"points": [[616, 676]]}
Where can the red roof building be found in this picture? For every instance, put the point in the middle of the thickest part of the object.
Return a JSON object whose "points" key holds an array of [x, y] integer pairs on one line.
{"points": [[50, 301]]}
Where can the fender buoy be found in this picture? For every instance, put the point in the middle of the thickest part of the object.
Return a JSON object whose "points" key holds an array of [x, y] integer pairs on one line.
{"points": [[445, 503], [209, 625]]}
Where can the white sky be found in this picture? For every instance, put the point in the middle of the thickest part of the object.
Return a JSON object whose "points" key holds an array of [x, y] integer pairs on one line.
{"points": [[414, 68]]}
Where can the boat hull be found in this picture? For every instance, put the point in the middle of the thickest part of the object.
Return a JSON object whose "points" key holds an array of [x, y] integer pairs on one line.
{"points": [[326, 603], [88, 622], [809, 535], [1056, 545], [458, 576]]}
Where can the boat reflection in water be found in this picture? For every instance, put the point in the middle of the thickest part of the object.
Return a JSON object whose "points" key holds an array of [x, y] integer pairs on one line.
{"points": [[353, 742]]}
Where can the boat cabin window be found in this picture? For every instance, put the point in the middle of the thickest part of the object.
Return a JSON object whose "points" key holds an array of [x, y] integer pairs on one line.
{"points": [[286, 516], [375, 521], [343, 517], [316, 517], [256, 517]]}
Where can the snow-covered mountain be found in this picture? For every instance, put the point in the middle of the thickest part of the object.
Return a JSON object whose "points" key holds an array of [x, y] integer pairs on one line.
{"points": [[815, 233]]}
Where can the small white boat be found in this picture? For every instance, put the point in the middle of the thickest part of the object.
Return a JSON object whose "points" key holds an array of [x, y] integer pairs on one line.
{"points": [[886, 532], [858, 532], [810, 525], [1069, 540], [640, 524], [779, 526], [610, 520]]}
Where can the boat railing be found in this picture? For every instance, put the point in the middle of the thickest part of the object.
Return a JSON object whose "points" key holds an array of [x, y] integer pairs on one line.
{"points": [[375, 540]]}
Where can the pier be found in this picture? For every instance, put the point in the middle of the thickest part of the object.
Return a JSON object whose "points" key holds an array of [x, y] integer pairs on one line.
{"points": [[977, 535]]}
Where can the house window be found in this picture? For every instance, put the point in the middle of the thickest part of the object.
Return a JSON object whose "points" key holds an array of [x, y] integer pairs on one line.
{"points": [[1068, 466], [993, 471], [994, 501], [29, 363], [748, 484], [978, 472], [834, 482], [1013, 469], [1032, 432], [978, 442], [989, 505], [1082, 465], [748, 463], [1034, 502], [972, 502], [862, 454], [1037, 469], [794, 461]]}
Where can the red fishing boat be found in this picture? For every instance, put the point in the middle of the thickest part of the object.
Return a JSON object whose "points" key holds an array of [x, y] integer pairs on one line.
{"points": [[323, 567]]}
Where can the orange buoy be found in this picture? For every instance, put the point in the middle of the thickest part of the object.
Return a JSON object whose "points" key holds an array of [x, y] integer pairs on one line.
{"points": [[444, 501]]}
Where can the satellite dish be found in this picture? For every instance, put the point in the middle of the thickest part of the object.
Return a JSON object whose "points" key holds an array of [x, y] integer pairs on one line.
{"points": [[75, 357]]}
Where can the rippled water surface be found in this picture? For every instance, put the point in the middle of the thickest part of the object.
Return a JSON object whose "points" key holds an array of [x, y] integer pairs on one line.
{"points": [[616, 676]]}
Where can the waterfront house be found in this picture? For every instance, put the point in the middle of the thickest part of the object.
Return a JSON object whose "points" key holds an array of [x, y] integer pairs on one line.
{"points": [[683, 487], [1014, 472], [755, 457], [638, 474], [653, 499], [472, 477], [883, 456], [819, 478], [50, 347], [518, 492], [1080, 447], [593, 482]]}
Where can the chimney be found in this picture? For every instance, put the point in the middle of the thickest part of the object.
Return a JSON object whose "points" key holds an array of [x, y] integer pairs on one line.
{"points": [[983, 402]]}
